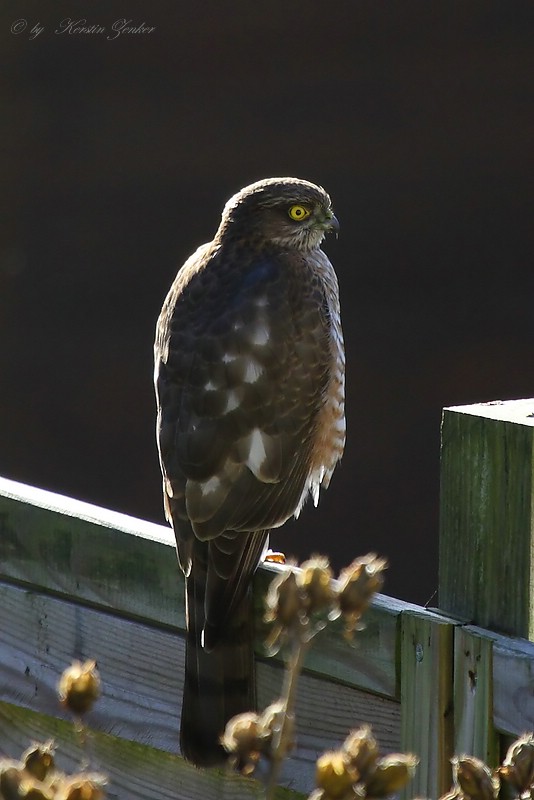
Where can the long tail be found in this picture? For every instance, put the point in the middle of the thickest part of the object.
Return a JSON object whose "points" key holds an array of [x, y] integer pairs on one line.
{"points": [[218, 684]]}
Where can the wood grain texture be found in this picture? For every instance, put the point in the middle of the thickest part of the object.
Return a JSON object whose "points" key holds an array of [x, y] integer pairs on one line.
{"points": [[133, 772], [102, 558], [111, 561], [81, 582], [426, 699], [142, 671], [474, 731], [513, 682], [486, 529]]}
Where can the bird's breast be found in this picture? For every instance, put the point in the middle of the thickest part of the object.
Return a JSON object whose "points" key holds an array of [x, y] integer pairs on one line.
{"points": [[329, 436]]}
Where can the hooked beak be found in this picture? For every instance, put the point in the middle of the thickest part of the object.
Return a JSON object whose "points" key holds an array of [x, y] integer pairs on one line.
{"points": [[329, 223], [333, 224]]}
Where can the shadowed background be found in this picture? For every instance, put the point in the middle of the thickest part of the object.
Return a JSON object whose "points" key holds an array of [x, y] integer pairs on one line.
{"points": [[118, 156]]}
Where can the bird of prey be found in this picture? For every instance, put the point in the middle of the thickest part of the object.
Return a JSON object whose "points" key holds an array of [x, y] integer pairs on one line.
{"points": [[249, 375]]}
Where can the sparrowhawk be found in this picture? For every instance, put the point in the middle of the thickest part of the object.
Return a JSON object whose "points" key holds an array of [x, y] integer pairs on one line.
{"points": [[249, 375]]}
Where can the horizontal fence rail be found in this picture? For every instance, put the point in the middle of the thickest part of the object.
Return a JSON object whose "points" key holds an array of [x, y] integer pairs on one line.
{"points": [[78, 581]]}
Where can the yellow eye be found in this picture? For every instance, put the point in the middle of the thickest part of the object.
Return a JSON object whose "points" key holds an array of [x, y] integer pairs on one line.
{"points": [[299, 212]]}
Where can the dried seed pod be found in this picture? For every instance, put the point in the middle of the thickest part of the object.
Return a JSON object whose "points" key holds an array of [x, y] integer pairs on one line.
{"points": [[284, 606], [518, 767], [315, 583], [334, 775], [361, 750], [30, 788], [84, 786], [38, 759], [453, 794], [79, 687], [271, 720], [357, 584], [11, 774], [474, 778], [283, 601], [242, 741], [392, 772]]}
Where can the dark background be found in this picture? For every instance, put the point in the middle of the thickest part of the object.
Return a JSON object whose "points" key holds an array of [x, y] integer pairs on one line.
{"points": [[118, 156]]}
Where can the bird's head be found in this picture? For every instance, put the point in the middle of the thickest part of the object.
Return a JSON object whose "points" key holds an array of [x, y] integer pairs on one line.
{"points": [[287, 212]]}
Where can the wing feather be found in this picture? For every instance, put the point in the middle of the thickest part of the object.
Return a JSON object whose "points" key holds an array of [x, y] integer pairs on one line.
{"points": [[238, 405]]}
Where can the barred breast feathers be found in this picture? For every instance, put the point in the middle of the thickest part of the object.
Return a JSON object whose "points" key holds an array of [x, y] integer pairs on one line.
{"points": [[330, 427]]}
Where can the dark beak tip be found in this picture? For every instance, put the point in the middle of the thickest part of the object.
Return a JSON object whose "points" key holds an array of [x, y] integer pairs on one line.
{"points": [[334, 224]]}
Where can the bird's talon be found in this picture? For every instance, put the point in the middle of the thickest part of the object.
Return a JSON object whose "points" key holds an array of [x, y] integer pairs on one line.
{"points": [[274, 557]]}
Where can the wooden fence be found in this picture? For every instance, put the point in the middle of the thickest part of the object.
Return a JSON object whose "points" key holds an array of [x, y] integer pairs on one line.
{"points": [[77, 581]]}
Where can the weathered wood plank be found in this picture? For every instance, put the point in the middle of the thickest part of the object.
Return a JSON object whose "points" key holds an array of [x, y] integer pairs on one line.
{"points": [[513, 681], [426, 699], [140, 666], [99, 556], [474, 731], [112, 561], [487, 502], [134, 772], [142, 670], [81, 581]]}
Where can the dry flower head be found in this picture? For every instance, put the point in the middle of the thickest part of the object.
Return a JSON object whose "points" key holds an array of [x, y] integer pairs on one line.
{"points": [[357, 584], [361, 750], [242, 740], [38, 759], [391, 774], [270, 724], [335, 776], [79, 687], [518, 766], [84, 786], [474, 778], [315, 583]]}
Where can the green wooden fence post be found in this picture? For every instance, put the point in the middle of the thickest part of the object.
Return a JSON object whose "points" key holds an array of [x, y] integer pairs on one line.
{"points": [[486, 519]]}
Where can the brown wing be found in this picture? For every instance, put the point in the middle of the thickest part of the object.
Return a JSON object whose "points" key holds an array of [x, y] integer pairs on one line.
{"points": [[243, 360], [242, 367]]}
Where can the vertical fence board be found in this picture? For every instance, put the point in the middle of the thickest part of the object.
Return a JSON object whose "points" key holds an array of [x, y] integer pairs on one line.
{"points": [[426, 699], [474, 732]]}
